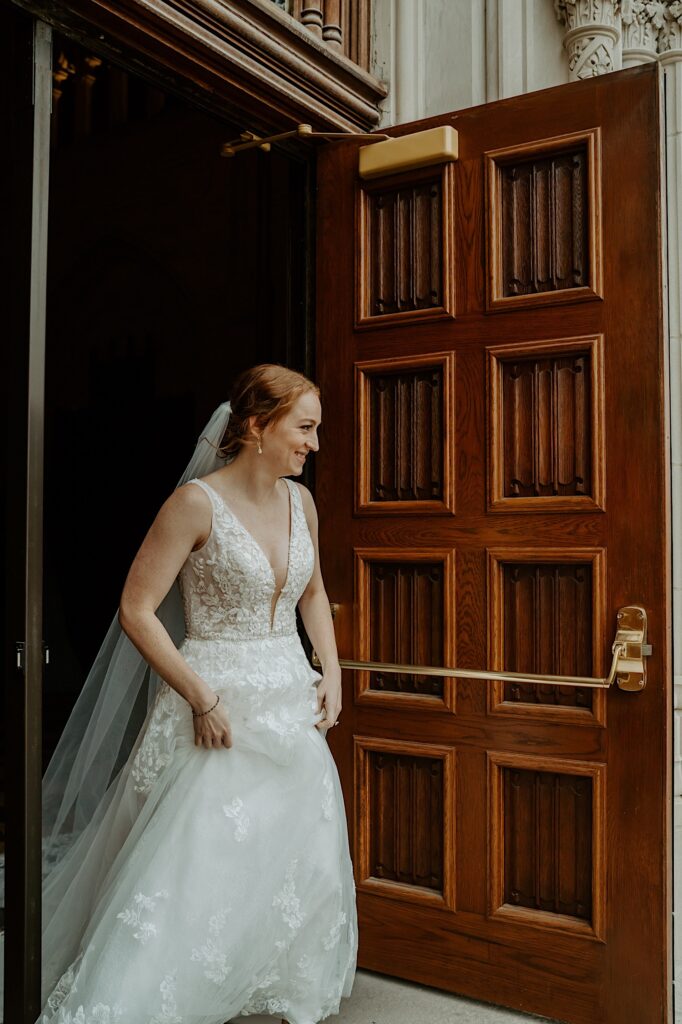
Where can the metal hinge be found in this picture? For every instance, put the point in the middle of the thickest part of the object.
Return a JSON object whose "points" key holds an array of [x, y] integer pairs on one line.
{"points": [[21, 652]]}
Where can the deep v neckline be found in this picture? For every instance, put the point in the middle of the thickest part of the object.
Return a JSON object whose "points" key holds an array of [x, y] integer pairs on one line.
{"points": [[257, 545]]}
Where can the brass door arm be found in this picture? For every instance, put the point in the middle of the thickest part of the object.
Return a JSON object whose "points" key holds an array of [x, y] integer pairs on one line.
{"points": [[628, 666]]}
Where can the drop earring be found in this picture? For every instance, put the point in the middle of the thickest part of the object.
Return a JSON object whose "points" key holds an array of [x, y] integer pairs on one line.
{"points": [[260, 450]]}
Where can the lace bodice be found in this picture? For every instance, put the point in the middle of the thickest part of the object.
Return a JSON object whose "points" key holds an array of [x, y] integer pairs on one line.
{"points": [[227, 585]]}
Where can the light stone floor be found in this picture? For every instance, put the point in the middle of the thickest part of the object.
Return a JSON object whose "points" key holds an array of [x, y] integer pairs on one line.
{"points": [[377, 999]]}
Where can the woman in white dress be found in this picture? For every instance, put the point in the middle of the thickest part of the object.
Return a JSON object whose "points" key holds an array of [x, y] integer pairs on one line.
{"points": [[216, 880]]}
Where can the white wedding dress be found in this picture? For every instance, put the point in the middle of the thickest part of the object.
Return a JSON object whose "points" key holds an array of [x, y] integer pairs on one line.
{"points": [[219, 882]]}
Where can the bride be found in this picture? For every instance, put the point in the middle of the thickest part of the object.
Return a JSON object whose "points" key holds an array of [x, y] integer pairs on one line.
{"points": [[211, 876]]}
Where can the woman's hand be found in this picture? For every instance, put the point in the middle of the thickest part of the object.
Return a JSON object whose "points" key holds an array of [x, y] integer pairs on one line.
{"points": [[329, 697], [212, 729]]}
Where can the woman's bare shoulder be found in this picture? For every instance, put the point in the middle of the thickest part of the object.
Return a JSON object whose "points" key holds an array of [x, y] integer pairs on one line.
{"points": [[189, 504]]}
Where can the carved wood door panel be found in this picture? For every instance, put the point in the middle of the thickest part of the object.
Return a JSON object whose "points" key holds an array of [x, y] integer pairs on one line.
{"points": [[492, 488]]}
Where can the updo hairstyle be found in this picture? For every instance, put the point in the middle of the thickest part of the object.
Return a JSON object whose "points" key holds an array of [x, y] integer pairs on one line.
{"points": [[266, 391]]}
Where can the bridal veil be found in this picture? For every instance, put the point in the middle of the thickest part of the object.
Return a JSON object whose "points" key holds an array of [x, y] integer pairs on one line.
{"points": [[79, 783]]}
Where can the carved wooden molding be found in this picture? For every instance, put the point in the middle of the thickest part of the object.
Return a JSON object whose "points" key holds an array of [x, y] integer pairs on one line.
{"points": [[547, 421], [497, 704], [245, 57], [345, 25], [497, 908], [364, 746], [498, 298], [364, 693]]}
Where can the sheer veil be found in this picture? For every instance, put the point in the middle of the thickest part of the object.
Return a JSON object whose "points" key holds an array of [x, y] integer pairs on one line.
{"points": [[79, 783]]}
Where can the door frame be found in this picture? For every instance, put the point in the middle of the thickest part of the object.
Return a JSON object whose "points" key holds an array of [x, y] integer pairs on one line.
{"points": [[28, 112], [28, 52]]}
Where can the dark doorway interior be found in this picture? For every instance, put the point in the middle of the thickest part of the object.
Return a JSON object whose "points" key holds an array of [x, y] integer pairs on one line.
{"points": [[170, 269]]}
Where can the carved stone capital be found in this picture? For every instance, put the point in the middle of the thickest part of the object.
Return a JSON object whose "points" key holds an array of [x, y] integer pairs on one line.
{"points": [[592, 36], [670, 35], [642, 22], [586, 13]]}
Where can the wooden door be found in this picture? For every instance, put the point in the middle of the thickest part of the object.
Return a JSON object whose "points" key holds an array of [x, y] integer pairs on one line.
{"points": [[492, 488]]}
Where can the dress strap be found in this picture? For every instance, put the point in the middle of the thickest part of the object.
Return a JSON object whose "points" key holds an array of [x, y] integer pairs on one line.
{"points": [[294, 490], [206, 489]]}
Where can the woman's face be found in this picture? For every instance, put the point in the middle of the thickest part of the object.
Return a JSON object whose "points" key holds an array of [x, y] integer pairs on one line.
{"points": [[291, 439]]}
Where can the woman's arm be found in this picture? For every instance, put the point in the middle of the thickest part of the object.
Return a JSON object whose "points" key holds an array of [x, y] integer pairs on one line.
{"points": [[183, 523], [317, 619]]}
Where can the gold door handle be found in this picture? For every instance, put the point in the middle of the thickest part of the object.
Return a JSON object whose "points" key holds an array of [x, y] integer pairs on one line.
{"points": [[628, 667]]}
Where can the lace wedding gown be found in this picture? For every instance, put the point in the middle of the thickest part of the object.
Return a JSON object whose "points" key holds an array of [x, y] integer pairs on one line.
{"points": [[220, 883]]}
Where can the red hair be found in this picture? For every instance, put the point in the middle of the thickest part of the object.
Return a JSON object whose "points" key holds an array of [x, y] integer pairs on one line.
{"points": [[266, 391]]}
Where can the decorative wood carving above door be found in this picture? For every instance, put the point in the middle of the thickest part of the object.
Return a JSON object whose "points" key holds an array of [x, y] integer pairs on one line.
{"points": [[244, 59], [344, 25]]}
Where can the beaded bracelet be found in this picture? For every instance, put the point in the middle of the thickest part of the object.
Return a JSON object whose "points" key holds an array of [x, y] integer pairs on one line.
{"points": [[198, 714]]}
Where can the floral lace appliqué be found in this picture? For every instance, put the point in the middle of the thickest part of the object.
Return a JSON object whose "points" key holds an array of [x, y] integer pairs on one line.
{"points": [[227, 585], [169, 1007], [132, 915], [65, 986], [268, 1005], [262, 1001], [98, 1014], [156, 749], [216, 967], [242, 821], [287, 900], [328, 798], [332, 939]]}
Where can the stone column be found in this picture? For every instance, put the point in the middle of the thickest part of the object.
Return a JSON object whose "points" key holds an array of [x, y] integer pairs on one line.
{"points": [[592, 38], [670, 57], [642, 21]]}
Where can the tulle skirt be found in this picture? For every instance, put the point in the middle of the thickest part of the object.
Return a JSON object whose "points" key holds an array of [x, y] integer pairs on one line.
{"points": [[212, 883]]}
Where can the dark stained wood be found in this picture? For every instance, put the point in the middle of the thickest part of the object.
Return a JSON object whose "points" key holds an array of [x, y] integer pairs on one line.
{"points": [[548, 823], [390, 624], [405, 826], [546, 427], [404, 253], [407, 221], [544, 223], [405, 441], [406, 623], [547, 843], [406, 816], [587, 844], [547, 627], [546, 437], [406, 425]]}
